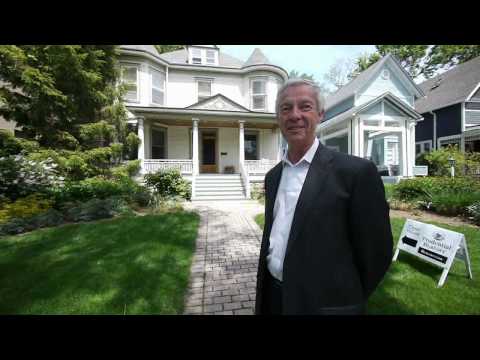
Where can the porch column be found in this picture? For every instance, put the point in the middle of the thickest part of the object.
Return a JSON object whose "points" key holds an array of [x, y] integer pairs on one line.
{"points": [[141, 146], [412, 148], [241, 141], [195, 146]]}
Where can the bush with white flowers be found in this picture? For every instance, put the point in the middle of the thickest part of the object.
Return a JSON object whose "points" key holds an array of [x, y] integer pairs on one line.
{"points": [[21, 177]]}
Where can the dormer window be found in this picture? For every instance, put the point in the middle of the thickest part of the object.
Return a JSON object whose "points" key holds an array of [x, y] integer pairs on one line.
{"points": [[196, 56], [210, 57], [203, 56]]}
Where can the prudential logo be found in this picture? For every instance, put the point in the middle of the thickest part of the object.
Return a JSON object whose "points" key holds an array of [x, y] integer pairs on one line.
{"points": [[438, 237]]}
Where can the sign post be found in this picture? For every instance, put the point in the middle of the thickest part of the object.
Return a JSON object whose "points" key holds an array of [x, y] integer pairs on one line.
{"points": [[434, 245]]}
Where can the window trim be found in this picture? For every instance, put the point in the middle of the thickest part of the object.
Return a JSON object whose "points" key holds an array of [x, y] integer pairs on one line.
{"points": [[252, 95], [163, 129], [198, 80], [164, 90], [137, 68]]}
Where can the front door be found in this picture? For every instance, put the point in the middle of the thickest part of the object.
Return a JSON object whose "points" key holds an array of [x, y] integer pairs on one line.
{"points": [[208, 162]]}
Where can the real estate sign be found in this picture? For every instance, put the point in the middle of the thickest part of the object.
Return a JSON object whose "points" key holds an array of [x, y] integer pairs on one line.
{"points": [[435, 245]]}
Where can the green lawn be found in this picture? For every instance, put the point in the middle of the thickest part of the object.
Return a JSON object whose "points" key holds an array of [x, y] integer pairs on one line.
{"points": [[410, 285], [132, 265]]}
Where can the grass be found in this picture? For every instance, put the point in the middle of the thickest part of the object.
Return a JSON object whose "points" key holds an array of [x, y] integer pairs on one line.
{"points": [[132, 265], [410, 285]]}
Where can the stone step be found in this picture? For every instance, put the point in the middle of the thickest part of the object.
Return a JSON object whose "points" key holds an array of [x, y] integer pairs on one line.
{"points": [[216, 192], [218, 198], [218, 186]]}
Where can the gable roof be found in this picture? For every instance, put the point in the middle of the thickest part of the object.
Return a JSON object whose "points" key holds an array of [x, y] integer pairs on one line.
{"points": [[362, 107], [454, 86], [257, 58], [149, 49], [363, 79], [180, 57], [218, 98]]}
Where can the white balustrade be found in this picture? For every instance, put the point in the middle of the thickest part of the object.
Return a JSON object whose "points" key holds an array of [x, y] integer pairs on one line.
{"points": [[154, 165], [260, 167]]}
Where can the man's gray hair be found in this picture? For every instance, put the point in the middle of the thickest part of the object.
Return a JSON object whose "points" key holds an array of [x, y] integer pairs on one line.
{"points": [[320, 100]]}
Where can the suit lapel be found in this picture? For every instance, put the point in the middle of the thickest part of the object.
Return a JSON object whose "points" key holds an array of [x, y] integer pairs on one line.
{"points": [[316, 175]]}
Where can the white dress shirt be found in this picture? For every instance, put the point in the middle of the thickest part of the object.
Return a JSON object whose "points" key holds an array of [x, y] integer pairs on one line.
{"points": [[291, 183]]}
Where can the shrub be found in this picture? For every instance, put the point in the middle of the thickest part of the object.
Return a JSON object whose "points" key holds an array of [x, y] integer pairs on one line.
{"points": [[257, 192], [130, 168], [20, 177], [438, 164], [96, 134], [451, 204], [410, 190], [11, 145], [132, 141], [169, 183], [25, 207], [474, 211], [94, 209]]}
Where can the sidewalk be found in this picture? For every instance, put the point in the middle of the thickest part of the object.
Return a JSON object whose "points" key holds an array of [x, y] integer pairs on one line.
{"points": [[224, 269]]}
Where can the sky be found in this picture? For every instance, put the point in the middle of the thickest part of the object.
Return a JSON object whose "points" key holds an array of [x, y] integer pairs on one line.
{"points": [[309, 59]]}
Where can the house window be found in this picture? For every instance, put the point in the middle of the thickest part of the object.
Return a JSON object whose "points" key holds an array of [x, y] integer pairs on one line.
{"points": [[259, 94], [204, 89], [158, 86], [159, 143], [211, 57], [196, 56], [129, 79], [251, 145]]}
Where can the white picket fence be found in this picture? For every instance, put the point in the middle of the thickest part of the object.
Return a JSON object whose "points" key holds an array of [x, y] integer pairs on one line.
{"points": [[153, 165], [259, 167]]}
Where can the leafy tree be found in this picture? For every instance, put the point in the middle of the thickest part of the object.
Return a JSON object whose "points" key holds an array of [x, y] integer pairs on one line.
{"points": [[446, 56], [294, 74], [50, 89], [339, 73], [420, 60], [411, 58], [167, 48]]}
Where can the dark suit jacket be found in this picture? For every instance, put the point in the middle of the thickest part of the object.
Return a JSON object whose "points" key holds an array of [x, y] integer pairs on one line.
{"points": [[340, 243]]}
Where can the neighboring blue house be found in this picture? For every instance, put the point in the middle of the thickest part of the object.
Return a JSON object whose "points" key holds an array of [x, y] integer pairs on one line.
{"points": [[451, 109], [373, 117]]}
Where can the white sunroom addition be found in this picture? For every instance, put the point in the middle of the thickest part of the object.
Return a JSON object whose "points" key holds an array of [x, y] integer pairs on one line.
{"points": [[381, 130]]}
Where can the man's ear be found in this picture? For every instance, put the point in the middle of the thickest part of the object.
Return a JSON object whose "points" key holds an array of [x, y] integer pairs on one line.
{"points": [[320, 116]]}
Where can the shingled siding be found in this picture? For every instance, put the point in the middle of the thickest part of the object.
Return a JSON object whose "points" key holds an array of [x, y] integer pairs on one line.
{"points": [[424, 129], [449, 120], [340, 108]]}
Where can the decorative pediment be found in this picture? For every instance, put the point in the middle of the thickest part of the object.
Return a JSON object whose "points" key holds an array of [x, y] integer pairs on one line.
{"points": [[218, 102]]}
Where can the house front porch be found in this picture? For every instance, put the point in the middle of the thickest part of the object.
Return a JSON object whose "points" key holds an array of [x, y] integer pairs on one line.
{"points": [[202, 145]]}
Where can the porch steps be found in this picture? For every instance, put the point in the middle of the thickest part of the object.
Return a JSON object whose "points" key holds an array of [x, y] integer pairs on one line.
{"points": [[219, 187]]}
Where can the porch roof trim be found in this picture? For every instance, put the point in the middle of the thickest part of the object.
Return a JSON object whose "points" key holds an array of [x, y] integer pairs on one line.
{"points": [[355, 110], [194, 112]]}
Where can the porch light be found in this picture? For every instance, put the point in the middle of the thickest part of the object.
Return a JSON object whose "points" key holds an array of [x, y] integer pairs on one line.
{"points": [[451, 162]]}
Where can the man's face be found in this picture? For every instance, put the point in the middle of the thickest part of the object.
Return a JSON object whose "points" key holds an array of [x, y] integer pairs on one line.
{"points": [[298, 115]]}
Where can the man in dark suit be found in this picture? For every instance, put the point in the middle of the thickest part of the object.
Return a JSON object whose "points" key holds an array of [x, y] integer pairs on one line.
{"points": [[327, 241]]}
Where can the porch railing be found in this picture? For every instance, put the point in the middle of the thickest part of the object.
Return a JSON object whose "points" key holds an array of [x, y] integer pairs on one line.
{"points": [[153, 165], [259, 167]]}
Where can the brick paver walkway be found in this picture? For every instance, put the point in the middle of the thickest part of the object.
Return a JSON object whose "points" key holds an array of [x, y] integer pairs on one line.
{"points": [[224, 269]]}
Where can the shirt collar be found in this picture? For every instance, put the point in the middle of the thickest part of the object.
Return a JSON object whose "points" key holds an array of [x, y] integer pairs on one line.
{"points": [[308, 157]]}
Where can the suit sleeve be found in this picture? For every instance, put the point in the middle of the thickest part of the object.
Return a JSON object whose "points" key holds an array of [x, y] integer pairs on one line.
{"points": [[370, 228]]}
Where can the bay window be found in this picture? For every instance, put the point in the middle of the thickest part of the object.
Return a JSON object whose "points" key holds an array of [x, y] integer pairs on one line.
{"points": [[259, 94], [158, 86]]}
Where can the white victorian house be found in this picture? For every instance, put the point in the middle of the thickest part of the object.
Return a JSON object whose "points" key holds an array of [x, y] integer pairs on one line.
{"points": [[373, 117], [206, 113]]}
